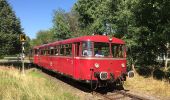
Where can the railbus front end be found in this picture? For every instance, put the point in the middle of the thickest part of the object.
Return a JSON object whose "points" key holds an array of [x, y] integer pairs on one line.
{"points": [[101, 62]]}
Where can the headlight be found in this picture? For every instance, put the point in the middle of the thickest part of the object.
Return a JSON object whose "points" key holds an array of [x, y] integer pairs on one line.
{"points": [[123, 65], [96, 65]]}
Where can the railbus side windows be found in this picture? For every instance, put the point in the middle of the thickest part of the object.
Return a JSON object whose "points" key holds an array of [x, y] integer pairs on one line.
{"points": [[87, 48], [56, 50], [48, 51], [68, 49], [36, 51], [62, 50], [118, 50], [41, 52], [51, 50], [45, 51]]}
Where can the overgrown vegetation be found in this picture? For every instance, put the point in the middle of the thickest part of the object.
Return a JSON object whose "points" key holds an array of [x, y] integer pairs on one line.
{"points": [[32, 86], [149, 86]]}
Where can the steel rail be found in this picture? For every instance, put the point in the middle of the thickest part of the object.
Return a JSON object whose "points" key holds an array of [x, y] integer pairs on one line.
{"points": [[133, 96]]}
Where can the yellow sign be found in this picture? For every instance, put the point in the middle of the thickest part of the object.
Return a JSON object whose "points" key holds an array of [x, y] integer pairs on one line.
{"points": [[22, 37]]}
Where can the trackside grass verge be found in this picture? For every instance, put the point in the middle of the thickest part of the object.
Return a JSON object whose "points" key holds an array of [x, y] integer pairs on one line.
{"points": [[150, 86], [32, 86]]}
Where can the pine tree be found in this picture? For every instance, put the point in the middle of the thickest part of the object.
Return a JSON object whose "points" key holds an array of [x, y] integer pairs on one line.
{"points": [[10, 29]]}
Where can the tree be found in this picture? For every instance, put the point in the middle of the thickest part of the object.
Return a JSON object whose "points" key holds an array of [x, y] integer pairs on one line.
{"points": [[10, 29], [153, 23], [27, 45], [43, 37], [61, 27], [73, 22], [92, 15]]}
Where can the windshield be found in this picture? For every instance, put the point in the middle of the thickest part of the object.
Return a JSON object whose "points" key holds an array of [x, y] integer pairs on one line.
{"points": [[87, 48], [118, 50], [101, 49]]}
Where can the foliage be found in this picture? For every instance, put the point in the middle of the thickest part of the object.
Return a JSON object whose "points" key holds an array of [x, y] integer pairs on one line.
{"points": [[61, 25], [153, 23], [65, 25], [43, 37], [27, 45], [10, 29], [95, 15]]}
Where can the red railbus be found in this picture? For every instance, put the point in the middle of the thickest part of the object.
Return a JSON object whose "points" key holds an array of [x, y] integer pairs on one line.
{"points": [[96, 59]]}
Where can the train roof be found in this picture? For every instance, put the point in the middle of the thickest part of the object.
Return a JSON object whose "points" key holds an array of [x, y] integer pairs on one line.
{"points": [[94, 38]]}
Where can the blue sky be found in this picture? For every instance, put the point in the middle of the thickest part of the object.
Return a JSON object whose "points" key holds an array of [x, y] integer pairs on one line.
{"points": [[37, 15]]}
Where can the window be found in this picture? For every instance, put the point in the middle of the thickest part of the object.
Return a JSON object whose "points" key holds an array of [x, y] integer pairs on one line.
{"points": [[118, 50], [42, 52], [101, 49], [68, 50], [62, 50], [87, 48], [51, 50], [48, 51], [36, 51], [56, 50]]}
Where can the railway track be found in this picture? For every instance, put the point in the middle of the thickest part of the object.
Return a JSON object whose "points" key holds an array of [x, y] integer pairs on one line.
{"points": [[113, 95], [119, 95]]}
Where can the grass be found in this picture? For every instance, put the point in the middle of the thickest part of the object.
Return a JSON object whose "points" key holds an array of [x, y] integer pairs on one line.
{"points": [[36, 86], [151, 86], [32, 86]]}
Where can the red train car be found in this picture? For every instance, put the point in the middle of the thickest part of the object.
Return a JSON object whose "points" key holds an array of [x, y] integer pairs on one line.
{"points": [[96, 59]]}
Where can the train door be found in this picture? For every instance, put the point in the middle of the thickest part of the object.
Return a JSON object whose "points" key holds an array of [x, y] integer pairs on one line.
{"points": [[76, 52], [51, 58], [66, 59], [69, 59], [47, 57], [41, 53], [36, 52]]}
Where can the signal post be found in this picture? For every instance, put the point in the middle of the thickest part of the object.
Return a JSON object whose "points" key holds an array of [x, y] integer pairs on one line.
{"points": [[22, 40]]}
